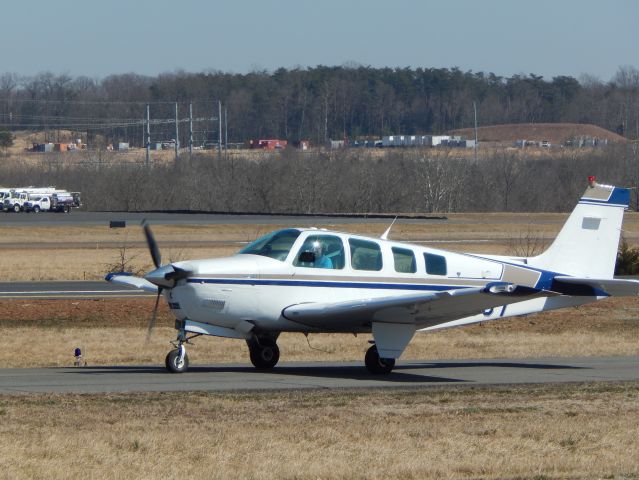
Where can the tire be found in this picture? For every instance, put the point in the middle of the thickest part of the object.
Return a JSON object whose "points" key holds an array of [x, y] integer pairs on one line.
{"points": [[16, 208], [66, 209], [265, 354], [171, 362], [377, 365], [36, 209]]}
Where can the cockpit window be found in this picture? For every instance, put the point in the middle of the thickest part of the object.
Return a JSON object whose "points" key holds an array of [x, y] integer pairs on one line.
{"points": [[321, 251], [274, 245]]}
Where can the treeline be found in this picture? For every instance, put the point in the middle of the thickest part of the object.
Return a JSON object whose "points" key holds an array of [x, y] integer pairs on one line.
{"points": [[343, 181], [323, 103]]}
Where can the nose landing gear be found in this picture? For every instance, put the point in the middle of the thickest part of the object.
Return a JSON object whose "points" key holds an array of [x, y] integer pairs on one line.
{"points": [[177, 361]]}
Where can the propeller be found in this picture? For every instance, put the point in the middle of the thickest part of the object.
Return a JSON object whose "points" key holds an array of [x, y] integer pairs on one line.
{"points": [[153, 245], [156, 256], [154, 316], [164, 277]]}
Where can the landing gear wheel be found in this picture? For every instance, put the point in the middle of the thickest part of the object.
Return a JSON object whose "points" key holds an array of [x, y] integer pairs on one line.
{"points": [[264, 353], [377, 365], [173, 363]]}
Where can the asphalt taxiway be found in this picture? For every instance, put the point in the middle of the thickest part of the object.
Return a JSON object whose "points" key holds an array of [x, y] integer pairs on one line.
{"points": [[289, 376], [68, 290]]}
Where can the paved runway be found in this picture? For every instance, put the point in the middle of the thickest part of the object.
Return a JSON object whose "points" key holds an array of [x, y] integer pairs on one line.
{"points": [[68, 290], [288, 376]]}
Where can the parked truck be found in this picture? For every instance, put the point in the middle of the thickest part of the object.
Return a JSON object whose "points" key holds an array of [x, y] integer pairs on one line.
{"points": [[15, 201], [55, 202], [17, 198]]}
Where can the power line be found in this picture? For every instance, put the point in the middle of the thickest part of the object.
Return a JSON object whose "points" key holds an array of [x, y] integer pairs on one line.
{"points": [[61, 123], [105, 102]]}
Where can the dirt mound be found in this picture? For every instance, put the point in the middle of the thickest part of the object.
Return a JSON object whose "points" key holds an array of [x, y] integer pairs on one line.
{"points": [[555, 133]]}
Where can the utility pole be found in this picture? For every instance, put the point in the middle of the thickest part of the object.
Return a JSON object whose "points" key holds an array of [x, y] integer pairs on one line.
{"points": [[190, 131], [177, 138], [475, 110], [148, 135], [226, 133], [219, 123]]}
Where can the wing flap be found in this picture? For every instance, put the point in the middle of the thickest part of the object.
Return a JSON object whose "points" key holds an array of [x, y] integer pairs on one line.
{"points": [[596, 286], [422, 310]]}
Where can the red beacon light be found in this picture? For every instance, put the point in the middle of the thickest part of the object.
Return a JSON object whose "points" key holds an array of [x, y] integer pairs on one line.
{"points": [[592, 181]]}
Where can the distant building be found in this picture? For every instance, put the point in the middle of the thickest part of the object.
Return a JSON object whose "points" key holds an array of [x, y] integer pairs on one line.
{"points": [[268, 144], [458, 142], [406, 140], [43, 147], [389, 141]]}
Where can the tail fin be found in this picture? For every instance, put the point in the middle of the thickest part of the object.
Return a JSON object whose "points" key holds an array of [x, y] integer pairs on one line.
{"points": [[587, 244]]}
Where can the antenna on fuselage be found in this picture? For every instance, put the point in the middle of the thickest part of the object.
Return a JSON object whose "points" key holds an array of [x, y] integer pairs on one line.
{"points": [[385, 234]]}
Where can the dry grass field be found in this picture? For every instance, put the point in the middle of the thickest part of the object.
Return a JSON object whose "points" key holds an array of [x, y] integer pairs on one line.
{"points": [[555, 133], [113, 332], [537, 432]]}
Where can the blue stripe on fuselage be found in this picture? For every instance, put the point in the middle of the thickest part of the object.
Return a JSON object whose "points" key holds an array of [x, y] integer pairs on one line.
{"points": [[327, 284]]}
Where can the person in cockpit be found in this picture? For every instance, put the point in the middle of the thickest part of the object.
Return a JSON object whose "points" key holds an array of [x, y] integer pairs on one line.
{"points": [[321, 260]]}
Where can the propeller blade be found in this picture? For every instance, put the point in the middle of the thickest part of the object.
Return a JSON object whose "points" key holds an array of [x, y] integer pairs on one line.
{"points": [[154, 316], [153, 246]]}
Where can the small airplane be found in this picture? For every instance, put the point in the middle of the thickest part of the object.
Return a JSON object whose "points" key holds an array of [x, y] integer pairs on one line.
{"points": [[311, 280]]}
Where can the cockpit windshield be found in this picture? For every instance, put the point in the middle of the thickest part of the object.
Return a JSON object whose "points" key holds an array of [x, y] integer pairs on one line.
{"points": [[275, 245]]}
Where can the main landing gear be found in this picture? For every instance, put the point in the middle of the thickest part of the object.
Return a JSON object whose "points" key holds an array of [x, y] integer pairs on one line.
{"points": [[263, 351], [377, 365]]}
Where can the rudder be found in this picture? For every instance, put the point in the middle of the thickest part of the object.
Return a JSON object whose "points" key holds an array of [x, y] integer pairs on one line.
{"points": [[587, 243]]}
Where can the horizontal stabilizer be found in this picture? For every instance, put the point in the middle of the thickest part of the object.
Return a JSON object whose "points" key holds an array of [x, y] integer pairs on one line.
{"points": [[422, 310], [131, 281], [595, 286]]}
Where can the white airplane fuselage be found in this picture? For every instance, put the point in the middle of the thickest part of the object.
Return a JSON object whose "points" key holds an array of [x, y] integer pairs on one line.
{"points": [[254, 288]]}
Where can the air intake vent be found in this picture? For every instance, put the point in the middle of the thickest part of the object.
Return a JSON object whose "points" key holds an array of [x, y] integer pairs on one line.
{"points": [[214, 304]]}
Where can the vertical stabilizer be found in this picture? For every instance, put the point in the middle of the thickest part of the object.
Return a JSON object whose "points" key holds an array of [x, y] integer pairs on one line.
{"points": [[587, 244]]}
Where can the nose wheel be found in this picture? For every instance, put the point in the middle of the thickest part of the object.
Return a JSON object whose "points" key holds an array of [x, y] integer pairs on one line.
{"points": [[177, 361]]}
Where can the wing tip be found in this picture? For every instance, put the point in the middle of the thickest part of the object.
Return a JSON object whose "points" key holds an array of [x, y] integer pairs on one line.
{"points": [[109, 276]]}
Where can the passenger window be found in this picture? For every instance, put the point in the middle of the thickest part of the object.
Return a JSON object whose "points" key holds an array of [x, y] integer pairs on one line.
{"points": [[435, 264], [404, 260], [365, 255], [321, 251]]}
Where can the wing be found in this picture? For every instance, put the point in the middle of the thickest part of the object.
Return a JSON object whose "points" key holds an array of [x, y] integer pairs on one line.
{"points": [[131, 281], [595, 286], [421, 310]]}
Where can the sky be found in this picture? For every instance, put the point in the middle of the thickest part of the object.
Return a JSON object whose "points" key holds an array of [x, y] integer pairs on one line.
{"points": [[505, 37]]}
